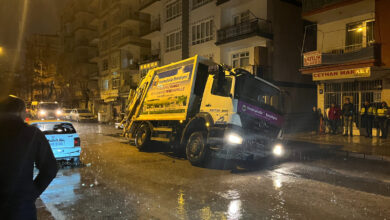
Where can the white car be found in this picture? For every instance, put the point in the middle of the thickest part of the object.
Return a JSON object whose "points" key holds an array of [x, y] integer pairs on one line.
{"points": [[80, 115], [63, 138], [66, 113]]}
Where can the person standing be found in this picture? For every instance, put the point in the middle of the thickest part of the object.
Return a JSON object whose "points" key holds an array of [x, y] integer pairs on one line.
{"points": [[315, 120], [347, 112], [383, 113], [367, 113], [334, 117], [22, 146]]}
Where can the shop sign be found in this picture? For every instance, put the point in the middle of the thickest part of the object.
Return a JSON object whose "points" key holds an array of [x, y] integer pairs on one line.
{"points": [[312, 58], [342, 74]]}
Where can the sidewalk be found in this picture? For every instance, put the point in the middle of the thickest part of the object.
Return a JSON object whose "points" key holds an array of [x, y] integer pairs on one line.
{"points": [[374, 148]]}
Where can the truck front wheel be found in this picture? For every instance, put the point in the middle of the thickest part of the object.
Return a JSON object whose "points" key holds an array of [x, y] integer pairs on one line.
{"points": [[196, 149], [142, 137]]}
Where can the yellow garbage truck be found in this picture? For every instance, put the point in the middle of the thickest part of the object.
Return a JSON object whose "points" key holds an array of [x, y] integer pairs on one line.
{"points": [[205, 109]]}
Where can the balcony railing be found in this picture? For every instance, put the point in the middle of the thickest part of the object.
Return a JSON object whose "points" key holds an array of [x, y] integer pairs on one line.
{"points": [[131, 39], [311, 5], [348, 54], [155, 25], [128, 14], [219, 2], [145, 3], [155, 55], [254, 27]]}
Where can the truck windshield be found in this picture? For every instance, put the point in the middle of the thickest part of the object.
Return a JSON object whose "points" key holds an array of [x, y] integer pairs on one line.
{"points": [[257, 92]]}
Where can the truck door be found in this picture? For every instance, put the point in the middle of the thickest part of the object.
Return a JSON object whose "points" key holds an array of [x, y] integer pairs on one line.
{"points": [[217, 99]]}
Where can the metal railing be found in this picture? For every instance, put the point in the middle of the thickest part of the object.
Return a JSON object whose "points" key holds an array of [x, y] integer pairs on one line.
{"points": [[255, 26]]}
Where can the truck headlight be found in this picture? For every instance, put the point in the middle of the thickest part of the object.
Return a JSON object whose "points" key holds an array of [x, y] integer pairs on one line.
{"points": [[58, 112], [42, 112], [278, 150], [234, 138]]}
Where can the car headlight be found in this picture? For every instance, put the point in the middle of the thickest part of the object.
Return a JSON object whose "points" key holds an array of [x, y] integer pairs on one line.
{"points": [[278, 150], [42, 112], [234, 138], [58, 112]]}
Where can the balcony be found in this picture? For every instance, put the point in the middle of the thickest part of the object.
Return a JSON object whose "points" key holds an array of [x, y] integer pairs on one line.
{"points": [[220, 2], [127, 15], [155, 55], [82, 25], [145, 3], [155, 26], [254, 27], [132, 39], [314, 5], [354, 55]]}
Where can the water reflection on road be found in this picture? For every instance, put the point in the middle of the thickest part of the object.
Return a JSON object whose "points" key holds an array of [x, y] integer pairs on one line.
{"points": [[119, 182]]}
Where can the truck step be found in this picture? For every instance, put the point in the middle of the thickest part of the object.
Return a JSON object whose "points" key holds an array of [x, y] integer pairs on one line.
{"points": [[160, 139], [164, 129]]}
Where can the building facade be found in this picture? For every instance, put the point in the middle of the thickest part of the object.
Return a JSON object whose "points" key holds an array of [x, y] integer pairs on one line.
{"points": [[43, 80], [80, 74], [258, 35], [347, 51], [120, 50]]}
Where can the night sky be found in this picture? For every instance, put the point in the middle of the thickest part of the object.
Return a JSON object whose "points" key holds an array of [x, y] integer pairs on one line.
{"points": [[43, 17]]}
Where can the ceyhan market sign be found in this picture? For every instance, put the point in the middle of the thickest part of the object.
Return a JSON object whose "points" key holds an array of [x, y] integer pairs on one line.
{"points": [[342, 74]]}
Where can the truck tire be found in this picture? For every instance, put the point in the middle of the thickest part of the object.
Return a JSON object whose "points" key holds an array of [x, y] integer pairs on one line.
{"points": [[142, 137], [196, 150]]}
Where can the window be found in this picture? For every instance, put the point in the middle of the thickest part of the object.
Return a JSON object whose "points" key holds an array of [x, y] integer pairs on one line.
{"points": [[55, 128], [115, 83], [173, 10], [359, 35], [240, 18], [240, 59], [202, 32], [173, 41], [222, 90], [198, 3], [105, 65]]}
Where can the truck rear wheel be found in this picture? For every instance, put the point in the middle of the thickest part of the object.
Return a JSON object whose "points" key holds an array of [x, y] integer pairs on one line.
{"points": [[142, 137], [196, 149]]}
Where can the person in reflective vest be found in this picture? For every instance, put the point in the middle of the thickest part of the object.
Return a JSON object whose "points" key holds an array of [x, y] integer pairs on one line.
{"points": [[383, 119], [367, 113]]}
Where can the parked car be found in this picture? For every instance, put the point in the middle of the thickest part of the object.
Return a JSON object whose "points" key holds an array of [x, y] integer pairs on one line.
{"points": [[48, 110], [63, 139], [66, 113], [82, 115]]}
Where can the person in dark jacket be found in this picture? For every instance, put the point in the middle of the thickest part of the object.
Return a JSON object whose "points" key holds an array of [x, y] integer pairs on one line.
{"points": [[334, 117], [21, 146], [383, 119], [367, 113], [348, 117]]}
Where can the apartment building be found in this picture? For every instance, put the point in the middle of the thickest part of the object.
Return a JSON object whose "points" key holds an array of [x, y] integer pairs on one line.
{"points": [[347, 51], [79, 73], [120, 49], [261, 36], [42, 53]]}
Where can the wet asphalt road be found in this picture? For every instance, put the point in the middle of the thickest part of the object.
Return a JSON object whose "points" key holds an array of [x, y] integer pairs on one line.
{"points": [[118, 182]]}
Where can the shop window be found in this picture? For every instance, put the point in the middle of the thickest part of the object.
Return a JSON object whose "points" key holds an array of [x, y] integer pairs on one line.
{"points": [[240, 59], [202, 32]]}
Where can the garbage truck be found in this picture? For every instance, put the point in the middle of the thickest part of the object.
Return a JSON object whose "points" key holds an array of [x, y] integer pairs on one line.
{"points": [[204, 109]]}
